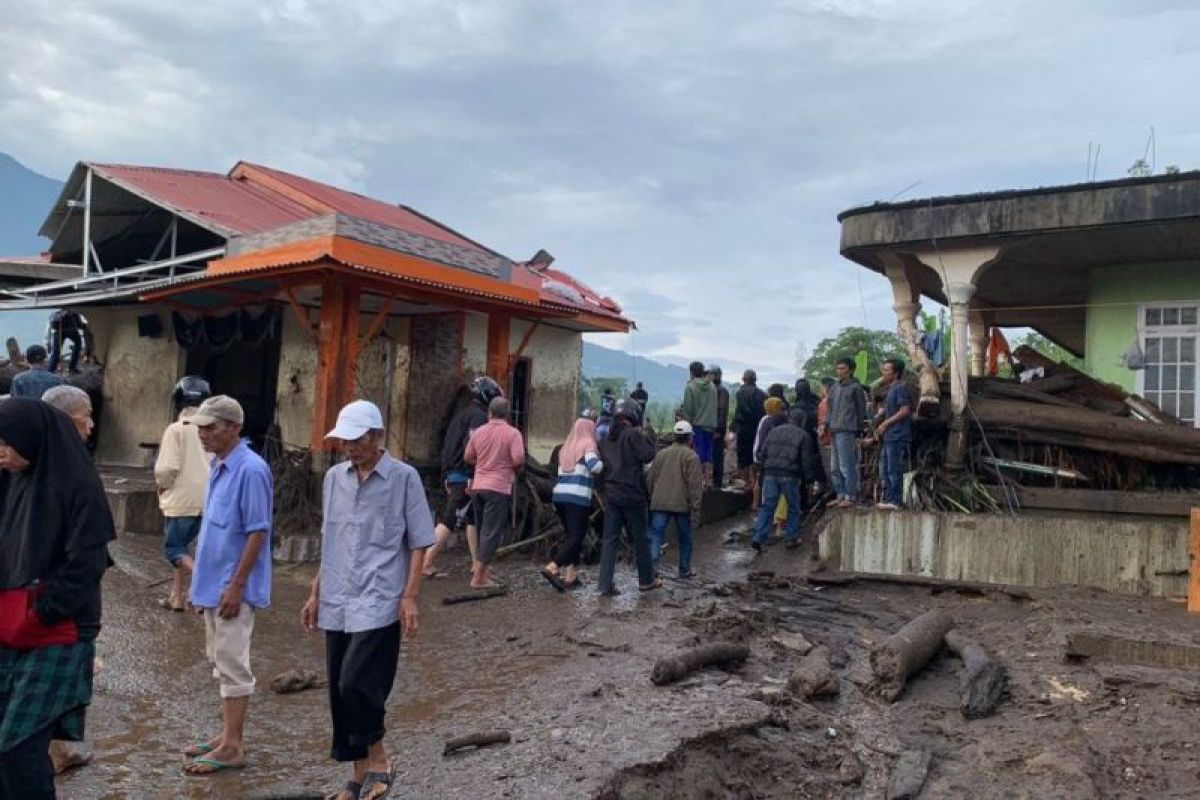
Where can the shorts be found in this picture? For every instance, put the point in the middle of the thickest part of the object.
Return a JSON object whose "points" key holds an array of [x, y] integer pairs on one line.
{"points": [[702, 443], [493, 518], [179, 532], [227, 645], [456, 500]]}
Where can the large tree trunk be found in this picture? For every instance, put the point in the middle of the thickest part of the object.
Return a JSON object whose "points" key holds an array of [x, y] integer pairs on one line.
{"points": [[908, 650], [1142, 452]]}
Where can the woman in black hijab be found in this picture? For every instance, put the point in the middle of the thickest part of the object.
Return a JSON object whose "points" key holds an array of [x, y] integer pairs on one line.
{"points": [[55, 526]]}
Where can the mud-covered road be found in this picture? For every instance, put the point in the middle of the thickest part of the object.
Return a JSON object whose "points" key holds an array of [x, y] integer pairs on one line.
{"points": [[568, 675]]}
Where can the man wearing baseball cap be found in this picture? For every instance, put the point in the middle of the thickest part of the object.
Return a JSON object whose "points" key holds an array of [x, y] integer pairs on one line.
{"points": [[676, 482], [376, 525], [231, 577]]}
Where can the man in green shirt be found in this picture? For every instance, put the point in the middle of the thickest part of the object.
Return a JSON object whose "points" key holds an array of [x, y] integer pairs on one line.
{"points": [[700, 409]]}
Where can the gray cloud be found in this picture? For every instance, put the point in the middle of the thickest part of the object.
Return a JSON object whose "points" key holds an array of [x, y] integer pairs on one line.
{"points": [[688, 160]]}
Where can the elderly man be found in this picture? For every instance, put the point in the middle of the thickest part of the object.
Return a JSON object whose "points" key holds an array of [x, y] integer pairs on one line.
{"points": [[75, 403], [376, 527], [497, 451], [34, 381], [231, 579]]}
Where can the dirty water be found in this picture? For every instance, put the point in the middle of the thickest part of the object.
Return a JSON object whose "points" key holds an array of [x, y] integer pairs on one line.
{"points": [[567, 675]]}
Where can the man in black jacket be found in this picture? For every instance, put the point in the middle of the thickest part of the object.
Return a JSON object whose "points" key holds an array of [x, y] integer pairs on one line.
{"points": [[748, 411], [625, 452], [788, 459], [718, 468], [456, 472]]}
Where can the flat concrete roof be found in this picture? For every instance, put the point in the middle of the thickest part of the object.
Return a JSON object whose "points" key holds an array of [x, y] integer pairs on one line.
{"points": [[1050, 237]]}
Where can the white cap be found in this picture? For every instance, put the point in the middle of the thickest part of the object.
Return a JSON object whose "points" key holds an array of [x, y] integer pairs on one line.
{"points": [[356, 419], [683, 428]]}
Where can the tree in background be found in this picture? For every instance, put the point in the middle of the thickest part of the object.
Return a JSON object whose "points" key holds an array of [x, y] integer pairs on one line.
{"points": [[590, 390], [1047, 348], [879, 346]]}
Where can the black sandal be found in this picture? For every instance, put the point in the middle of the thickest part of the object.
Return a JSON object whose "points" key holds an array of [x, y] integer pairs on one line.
{"points": [[554, 581], [353, 788], [374, 779]]}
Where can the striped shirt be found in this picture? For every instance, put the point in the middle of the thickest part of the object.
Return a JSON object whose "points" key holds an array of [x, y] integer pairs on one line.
{"points": [[576, 486]]}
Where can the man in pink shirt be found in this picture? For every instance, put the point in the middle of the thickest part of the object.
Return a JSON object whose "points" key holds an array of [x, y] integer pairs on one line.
{"points": [[497, 452]]}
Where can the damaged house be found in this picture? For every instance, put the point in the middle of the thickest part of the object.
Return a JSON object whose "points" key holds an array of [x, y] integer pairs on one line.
{"points": [[296, 297], [1092, 471]]}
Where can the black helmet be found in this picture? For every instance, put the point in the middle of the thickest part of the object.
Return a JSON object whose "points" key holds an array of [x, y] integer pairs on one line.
{"points": [[629, 409], [191, 390], [484, 390]]}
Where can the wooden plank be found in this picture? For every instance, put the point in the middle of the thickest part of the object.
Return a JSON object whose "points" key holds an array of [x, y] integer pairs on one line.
{"points": [[1158, 504], [1137, 652], [1194, 569]]}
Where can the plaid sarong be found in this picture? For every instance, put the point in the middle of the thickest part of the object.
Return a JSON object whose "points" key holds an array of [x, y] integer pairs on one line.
{"points": [[44, 687]]}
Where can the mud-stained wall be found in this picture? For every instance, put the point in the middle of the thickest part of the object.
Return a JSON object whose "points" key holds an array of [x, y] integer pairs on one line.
{"points": [[556, 361], [474, 358], [383, 372], [297, 380], [434, 376], [140, 374]]}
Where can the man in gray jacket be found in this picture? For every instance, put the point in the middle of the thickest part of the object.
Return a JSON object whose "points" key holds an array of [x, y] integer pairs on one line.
{"points": [[847, 421]]}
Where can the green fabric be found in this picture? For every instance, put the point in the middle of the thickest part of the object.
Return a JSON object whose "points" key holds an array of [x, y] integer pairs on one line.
{"points": [[862, 365], [700, 403], [43, 687], [676, 481]]}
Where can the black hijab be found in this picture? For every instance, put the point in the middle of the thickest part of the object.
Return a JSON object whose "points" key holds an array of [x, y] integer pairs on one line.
{"points": [[57, 505]]}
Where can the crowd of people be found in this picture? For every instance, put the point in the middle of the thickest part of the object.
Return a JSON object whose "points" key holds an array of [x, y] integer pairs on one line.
{"points": [[379, 536]]}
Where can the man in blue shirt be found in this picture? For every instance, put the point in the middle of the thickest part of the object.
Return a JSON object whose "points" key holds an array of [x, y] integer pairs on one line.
{"points": [[894, 431], [38, 378], [376, 525], [231, 578]]}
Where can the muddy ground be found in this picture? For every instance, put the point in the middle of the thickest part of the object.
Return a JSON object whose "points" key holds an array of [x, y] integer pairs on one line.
{"points": [[568, 676]]}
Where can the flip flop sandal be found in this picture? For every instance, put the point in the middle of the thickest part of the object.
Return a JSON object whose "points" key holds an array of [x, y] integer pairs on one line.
{"points": [[198, 749], [650, 587], [432, 576], [374, 779], [166, 603], [554, 580], [353, 788], [214, 765]]}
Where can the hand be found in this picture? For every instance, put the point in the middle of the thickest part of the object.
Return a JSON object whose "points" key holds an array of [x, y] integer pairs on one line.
{"points": [[308, 613], [409, 617], [470, 488], [231, 602]]}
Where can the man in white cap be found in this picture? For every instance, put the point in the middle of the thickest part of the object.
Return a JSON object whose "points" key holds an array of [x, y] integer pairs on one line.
{"points": [[376, 527], [676, 483], [231, 577]]}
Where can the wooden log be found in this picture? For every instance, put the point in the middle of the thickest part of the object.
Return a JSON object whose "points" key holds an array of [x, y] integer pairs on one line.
{"points": [[909, 775], [1056, 383], [475, 595], [1030, 358], [1135, 652], [984, 680], [906, 652], [476, 740], [813, 676], [1035, 417], [1162, 504], [831, 578], [1142, 452], [678, 666], [1016, 391]]}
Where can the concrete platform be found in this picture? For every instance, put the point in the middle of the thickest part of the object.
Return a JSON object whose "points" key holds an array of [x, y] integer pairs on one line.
{"points": [[133, 498], [1145, 556]]}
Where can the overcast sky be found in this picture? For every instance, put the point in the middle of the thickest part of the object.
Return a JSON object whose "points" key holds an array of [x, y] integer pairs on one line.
{"points": [[687, 158]]}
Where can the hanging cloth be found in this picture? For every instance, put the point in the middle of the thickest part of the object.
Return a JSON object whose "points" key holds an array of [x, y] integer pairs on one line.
{"points": [[997, 346]]}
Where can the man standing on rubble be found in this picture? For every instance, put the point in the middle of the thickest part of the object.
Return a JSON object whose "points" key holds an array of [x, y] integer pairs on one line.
{"points": [[722, 427], [893, 429], [497, 452], [375, 528], [748, 412], [456, 473], [700, 409], [847, 420]]}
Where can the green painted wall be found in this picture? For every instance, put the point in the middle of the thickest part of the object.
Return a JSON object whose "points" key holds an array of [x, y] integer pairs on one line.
{"points": [[1114, 293]]}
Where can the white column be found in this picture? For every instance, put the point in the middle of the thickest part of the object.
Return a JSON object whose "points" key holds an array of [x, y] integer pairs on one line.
{"points": [[907, 305], [979, 343]]}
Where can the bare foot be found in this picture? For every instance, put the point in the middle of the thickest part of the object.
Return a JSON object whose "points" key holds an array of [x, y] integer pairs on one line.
{"points": [[64, 757]]}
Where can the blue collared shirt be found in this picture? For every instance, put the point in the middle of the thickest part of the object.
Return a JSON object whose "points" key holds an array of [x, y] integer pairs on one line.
{"points": [[34, 382], [238, 503], [368, 532]]}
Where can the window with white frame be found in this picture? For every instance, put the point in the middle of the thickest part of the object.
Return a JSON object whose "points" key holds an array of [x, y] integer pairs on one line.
{"points": [[1168, 335]]}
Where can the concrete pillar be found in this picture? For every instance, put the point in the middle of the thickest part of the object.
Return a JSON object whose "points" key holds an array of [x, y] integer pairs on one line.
{"points": [[907, 305], [979, 342], [959, 269]]}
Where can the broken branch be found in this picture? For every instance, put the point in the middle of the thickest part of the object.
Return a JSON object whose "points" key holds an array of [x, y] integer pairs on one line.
{"points": [[984, 679], [907, 651], [676, 667], [476, 740]]}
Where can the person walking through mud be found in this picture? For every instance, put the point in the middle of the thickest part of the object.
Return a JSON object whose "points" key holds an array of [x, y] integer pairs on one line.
{"points": [[847, 421], [55, 526], [789, 461], [578, 464], [34, 381], [456, 473], [626, 451], [497, 452], [676, 483], [376, 526], [747, 412], [700, 409], [181, 472], [231, 578]]}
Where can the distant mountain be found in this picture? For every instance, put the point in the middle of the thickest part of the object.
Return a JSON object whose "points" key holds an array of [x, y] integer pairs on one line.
{"points": [[25, 200], [663, 381]]}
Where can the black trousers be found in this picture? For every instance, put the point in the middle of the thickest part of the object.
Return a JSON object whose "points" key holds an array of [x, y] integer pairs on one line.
{"points": [[56, 348], [575, 523], [362, 668], [718, 459], [26, 771]]}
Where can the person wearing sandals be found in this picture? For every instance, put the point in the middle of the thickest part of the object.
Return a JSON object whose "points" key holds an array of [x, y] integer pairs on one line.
{"points": [[231, 580], [626, 451], [578, 464], [497, 452], [376, 526], [676, 482], [181, 472], [55, 526]]}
